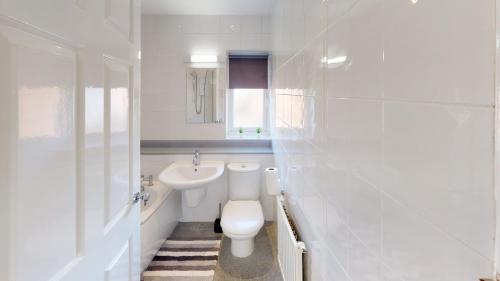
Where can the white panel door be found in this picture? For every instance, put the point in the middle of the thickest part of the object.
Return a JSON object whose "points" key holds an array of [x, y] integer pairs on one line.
{"points": [[69, 140]]}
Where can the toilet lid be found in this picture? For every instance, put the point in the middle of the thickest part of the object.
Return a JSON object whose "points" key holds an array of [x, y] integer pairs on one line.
{"points": [[243, 167], [242, 217]]}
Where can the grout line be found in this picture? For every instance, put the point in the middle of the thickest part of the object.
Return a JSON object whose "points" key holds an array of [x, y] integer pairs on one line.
{"points": [[385, 100]]}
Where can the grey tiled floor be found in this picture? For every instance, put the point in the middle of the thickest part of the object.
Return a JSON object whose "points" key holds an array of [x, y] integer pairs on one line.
{"points": [[262, 265]]}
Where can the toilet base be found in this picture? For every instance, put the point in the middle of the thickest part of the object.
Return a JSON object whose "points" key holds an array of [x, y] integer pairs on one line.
{"points": [[242, 248]]}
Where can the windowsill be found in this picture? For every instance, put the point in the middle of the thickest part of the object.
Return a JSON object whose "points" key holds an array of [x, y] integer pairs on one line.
{"points": [[247, 136]]}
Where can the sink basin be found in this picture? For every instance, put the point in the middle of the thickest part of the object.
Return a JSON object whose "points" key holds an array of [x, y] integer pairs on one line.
{"points": [[192, 180], [184, 175]]}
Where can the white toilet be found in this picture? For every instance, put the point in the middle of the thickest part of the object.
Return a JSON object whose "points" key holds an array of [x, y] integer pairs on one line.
{"points": [[242, 217]]}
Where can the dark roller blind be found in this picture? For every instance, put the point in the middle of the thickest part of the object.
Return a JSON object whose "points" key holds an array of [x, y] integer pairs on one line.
{"points": [[248, 72]]}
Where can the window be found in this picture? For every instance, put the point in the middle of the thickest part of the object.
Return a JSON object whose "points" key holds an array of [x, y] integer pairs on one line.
{"points": [[247, 97], [248, 107]]}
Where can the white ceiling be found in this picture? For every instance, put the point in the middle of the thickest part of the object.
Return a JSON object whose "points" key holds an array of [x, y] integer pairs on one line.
{"points": [[207, 7]]}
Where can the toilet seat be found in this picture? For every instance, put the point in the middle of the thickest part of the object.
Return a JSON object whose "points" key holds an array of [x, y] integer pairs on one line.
{"points": [[242, 219]]}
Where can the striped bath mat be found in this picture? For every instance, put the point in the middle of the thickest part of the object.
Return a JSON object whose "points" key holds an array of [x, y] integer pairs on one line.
{"points": [[184, 260]]}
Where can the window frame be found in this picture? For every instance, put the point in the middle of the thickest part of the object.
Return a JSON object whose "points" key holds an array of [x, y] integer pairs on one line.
{"points": [[250, 132]]}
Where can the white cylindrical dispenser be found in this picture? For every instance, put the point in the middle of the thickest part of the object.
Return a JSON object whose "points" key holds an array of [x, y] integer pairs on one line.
{"points": [[272, 181]]}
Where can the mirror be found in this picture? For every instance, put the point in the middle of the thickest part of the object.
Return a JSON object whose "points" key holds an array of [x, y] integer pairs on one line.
{"points": [[204, 95]]}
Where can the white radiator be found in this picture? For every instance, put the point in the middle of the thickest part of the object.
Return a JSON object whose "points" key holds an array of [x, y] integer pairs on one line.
{"points": [[289, 249]]}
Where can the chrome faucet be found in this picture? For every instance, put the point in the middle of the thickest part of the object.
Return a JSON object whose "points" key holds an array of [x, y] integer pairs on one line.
{"points": [[196, 158], [148, 180], [145, 196]]}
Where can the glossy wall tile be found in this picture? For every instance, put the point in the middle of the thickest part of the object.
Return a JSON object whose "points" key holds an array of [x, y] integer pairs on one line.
{"points": [[167, 43], [383, 125]]}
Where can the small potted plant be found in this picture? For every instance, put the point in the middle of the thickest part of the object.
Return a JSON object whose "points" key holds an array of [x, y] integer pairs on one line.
{"points": [[258, 131], [241, 132]]}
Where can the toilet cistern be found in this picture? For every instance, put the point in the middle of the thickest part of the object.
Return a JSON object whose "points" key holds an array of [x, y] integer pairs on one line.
{"points": [[196, 158]]}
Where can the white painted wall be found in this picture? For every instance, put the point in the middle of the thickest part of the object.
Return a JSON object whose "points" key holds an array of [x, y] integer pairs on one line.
{"points": [[388, 156], [167, 43], [218, 190]]}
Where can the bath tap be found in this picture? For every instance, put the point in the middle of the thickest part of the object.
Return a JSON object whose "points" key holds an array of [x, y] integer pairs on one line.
{"points": [[145, 198], [196, 158], [148, 180]]}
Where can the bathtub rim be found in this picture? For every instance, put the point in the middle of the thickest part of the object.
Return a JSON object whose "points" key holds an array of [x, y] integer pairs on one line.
{"points": [[162, 193]]}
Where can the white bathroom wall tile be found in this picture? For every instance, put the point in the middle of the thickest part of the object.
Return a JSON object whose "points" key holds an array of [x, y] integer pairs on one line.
{"points": [[356, 125], [363, 264], [294, 21], [339, 8], [416, 250], [182, 24], [315, 265], [365, 214], [203, 44], [314, 210], [293, 180], [159, 102], [314, 110], [445, 165], [169, 99], [355, 53], [150, 30], [164, 73], [173, 125], [338, 231], [209, 24], [332, 269], [388, 274], [497, 142], [251, 25], [266, 42], [230, 41], [336, 189], [230, 24], [151, 167], [296, 145], [267, 25], [431, 59], [437, 234], [315, 18], [252, 43], [297, 112], [314, 66], [149, 125], [286, 100]]}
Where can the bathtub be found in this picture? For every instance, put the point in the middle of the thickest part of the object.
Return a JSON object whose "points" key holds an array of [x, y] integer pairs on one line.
{"points": [[158, 219]]}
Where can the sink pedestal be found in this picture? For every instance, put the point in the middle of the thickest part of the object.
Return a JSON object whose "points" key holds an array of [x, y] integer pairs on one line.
{"points": [[193, 197]]}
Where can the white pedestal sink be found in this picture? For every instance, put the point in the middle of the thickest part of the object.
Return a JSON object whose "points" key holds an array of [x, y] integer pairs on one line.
{"points": [[192, 180]]}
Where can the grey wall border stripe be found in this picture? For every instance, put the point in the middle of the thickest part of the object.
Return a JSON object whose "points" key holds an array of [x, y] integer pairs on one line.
{"points": [[153, 147]]}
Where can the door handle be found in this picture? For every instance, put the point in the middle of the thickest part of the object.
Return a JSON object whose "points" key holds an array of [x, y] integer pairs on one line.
{"points": [[136, 197]]}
